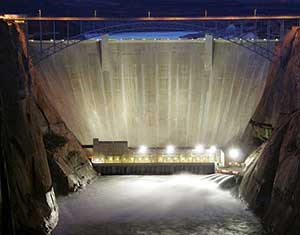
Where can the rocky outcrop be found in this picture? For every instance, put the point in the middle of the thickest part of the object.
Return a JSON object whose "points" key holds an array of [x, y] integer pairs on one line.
{"points": [[32, 138], [282, 91], [30, 192], [70, 168], [283, 212], [280, 94], [271, 180]]}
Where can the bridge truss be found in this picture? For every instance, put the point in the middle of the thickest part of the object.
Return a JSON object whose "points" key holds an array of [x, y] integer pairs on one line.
{"points": [[62, 33]]}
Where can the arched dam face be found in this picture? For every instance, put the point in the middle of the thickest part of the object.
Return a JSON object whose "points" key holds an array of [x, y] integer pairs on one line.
{"points": [[155, 92]]}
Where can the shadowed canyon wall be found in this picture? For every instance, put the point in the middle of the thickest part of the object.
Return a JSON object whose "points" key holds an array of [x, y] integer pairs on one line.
{"points": [[155, 92], [32, 199], [31, 135], [271, 183]]}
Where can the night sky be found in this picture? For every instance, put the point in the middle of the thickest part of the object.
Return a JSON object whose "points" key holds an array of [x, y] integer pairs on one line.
{"points": [[127, 8]]}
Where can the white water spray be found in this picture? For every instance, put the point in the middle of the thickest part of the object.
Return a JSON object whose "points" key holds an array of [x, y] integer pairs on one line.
{"points": [[166, 205]]}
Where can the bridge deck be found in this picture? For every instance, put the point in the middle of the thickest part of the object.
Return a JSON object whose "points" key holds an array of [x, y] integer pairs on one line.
{"points": [[208, 18]]}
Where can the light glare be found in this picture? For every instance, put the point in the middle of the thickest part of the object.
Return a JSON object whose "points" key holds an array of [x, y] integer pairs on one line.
{"points": [[97, 160], [199, 148], [143, 149], [170, 149], [234, 153], [212, 149]]}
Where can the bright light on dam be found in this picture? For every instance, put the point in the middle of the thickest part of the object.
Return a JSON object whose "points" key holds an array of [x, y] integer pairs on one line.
{"points": [[234, 153], [142, 149], [213, 149], [170, 149], [199, 148]]}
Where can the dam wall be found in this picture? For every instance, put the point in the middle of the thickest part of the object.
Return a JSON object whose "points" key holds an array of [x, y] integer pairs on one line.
{"points": [[155, 169], [155, 92]]}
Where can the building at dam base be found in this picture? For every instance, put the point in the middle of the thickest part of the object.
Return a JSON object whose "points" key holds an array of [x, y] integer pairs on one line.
{"points": [[118, 152], [155, 92]]}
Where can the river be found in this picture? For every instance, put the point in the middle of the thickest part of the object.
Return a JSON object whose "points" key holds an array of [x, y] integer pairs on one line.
{"points": [[155, 205]]}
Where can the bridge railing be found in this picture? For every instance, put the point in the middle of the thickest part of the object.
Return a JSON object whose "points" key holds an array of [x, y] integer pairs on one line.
{"points": [[238, 34]]}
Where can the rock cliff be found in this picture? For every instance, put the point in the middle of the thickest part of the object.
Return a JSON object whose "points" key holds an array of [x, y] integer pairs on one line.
{"points": [[32, 135], [270, 182], [70, 168], [32, 199]]}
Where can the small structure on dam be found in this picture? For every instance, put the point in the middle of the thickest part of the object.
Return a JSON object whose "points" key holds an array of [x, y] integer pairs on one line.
{"points": [[110, 148]]}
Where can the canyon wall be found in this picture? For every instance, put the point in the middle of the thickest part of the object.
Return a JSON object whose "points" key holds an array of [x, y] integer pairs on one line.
{"points": [[31, 135], [271, 183], [32, 199]]}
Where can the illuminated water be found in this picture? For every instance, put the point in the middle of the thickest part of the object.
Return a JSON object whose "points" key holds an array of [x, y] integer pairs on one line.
{"points": [[149, 205]]}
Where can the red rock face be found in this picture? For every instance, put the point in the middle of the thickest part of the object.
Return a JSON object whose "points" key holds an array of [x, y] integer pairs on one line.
{"points": [[32, 138], [282, 90], [271, 185], [32, 199], [282, 215]]}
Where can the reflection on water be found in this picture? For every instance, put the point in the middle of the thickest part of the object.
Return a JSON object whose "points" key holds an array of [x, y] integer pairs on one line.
{"points": [[148, 205]]}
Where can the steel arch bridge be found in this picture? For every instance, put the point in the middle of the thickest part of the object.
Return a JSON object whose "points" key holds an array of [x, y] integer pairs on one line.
{"points": [[234, 34]]}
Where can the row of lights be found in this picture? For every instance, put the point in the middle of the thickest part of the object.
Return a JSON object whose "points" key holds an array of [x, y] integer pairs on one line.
{"points": [[170, 149], [203, 39], [121, 39], [155, 39], [234, 153]]}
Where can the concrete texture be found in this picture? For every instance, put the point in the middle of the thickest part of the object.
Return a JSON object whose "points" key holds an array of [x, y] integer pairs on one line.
{"points": [[155, 168], [155, 92]]}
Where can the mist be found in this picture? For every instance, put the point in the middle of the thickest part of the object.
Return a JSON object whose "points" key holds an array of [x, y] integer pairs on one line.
{"points": [[177, 204]]}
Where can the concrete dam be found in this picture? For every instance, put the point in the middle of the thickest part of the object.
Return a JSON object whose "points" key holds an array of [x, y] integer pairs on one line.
{"points": [[195, 134], [155, 92]]}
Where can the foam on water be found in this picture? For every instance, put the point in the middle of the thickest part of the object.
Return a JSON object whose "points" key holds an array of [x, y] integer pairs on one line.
{"points": [[166, 205]]}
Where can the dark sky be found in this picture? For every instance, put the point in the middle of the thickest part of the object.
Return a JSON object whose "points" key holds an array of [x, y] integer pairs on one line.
{"points": [[123, 8]]}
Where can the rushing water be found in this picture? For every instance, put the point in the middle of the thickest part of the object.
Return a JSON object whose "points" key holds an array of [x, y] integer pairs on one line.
{"points": [[149, 205]]}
